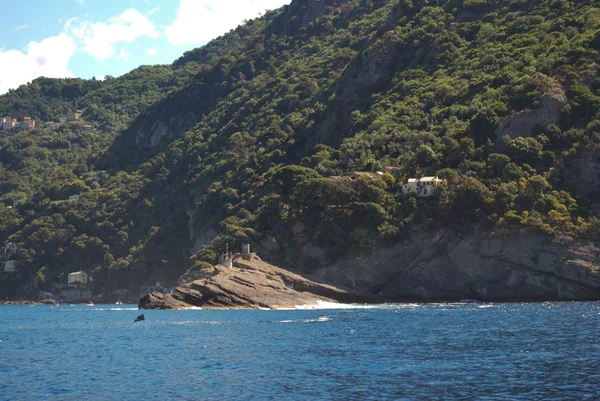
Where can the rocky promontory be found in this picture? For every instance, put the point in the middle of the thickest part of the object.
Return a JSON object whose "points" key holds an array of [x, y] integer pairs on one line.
{"points": [[438, 266], [248, 285]]}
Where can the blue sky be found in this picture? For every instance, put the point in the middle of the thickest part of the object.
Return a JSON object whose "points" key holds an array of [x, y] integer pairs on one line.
{"points": [[86, 38]]}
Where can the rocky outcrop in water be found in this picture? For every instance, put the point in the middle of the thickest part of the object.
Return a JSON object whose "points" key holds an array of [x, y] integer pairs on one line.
{"points": [[248, 285]]}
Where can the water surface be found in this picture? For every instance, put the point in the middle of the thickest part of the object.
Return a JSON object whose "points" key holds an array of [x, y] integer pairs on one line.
{"points": [[390, 352]]}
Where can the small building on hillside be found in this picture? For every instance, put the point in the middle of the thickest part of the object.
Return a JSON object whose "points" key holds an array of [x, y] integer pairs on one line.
{"points": [[51, 125], [74, 197], [246, 254], [354, 175], [10, 266], [28, 123], [87, 127], [8, 123], [10, 250], [74, 115], [76, 278], [424, 186], [391, 170]]}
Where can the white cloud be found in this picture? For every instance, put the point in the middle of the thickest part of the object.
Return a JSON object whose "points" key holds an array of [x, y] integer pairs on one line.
{"points": [[151, 52], [21, 27], [199, 21], [99, 39], [49, 58], [123, 55]]}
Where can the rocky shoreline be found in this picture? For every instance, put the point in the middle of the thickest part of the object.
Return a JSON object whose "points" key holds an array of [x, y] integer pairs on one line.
{"points": [[31, 303], [439, 267], [250, 285]]}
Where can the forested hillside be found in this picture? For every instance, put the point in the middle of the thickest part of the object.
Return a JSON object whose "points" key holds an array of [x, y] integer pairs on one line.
{"points": [[236, 141]]}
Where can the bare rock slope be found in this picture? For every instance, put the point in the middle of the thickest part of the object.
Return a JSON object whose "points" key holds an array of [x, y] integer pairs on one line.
{"points": [[248, 285], [451, 266]]}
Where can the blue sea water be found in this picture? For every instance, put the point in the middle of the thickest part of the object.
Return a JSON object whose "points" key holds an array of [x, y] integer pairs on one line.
{"points": [[389, 352]]}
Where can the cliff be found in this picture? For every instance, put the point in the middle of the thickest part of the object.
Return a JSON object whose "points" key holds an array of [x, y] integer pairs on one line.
{"points": [[450, 266], [445, 266]]}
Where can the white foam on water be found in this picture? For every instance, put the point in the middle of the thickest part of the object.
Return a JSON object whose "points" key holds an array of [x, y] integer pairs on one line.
{"points": [[333, 305], [286, 321], [486, 306], [123, 309], [321, 319]]}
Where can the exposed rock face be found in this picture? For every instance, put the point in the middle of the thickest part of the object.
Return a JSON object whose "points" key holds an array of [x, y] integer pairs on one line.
{"points": [[249, 285], [524, 123], [448, 266], [585, 173], [164, 130], [445, 266]]}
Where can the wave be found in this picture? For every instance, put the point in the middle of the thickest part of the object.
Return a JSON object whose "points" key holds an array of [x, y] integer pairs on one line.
{"points": [[320, 319], [333, 305]]}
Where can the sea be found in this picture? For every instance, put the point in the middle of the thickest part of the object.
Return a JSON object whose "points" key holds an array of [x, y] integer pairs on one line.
{"points": [[454, 351]]}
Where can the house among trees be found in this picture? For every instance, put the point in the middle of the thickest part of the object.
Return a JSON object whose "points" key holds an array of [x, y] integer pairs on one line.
{"points": [[78, 278], [391, 170], [10, 266], [10, 250], [7, 123], [357, 174], [28, 123], [424, 186], [51, 125], [74, 115]]}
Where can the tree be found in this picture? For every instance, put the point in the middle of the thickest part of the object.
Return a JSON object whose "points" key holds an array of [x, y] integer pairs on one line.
{"points": [[497, 161], [467, 197], [512, 172], [483, 125], [524, 150], [425, 156], [537, 184]]}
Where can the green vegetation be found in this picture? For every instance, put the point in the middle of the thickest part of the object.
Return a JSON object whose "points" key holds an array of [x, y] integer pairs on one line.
{"points": [[234, 142]]}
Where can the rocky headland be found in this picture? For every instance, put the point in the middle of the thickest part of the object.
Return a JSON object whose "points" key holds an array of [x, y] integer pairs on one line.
{"points": [[444, 266], [248, 285]]}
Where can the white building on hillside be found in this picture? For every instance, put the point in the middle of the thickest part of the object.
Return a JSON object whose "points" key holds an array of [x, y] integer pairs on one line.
{"points": [[10, 250], [424, 186], [77, 277], [8, 123]]}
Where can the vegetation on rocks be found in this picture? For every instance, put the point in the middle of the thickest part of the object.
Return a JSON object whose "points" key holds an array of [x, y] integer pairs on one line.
{"points": [[235, 142]]}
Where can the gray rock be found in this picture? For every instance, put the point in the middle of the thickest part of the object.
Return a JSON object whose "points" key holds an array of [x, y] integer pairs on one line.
{"points": [[449, 266], [524, 123], [249, 285]]}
